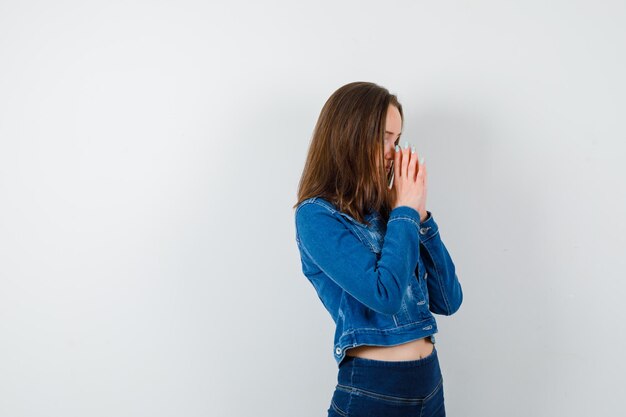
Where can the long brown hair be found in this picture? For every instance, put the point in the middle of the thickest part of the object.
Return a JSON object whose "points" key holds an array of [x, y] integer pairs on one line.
{"points": [[345, 161]]}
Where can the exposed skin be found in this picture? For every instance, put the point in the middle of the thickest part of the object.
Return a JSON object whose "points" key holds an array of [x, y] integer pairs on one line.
{"points": [[415, 349], [410, 180], [410, 177]]}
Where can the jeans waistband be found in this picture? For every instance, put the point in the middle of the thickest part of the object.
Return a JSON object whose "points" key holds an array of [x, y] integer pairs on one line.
{"points": [[365, 362], [406, 379]]}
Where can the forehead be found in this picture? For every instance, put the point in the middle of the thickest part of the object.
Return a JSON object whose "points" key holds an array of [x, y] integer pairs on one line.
{"points": [[394, 121]]}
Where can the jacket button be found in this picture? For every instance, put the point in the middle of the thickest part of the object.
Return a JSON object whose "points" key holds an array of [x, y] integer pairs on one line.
{"points": [[423, 230], [338, 351]]}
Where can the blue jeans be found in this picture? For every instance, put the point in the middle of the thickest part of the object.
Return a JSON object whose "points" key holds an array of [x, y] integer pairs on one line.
{"points": [[368, 387]]}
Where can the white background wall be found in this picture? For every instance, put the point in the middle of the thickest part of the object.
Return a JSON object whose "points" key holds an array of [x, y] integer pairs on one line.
{"points": [[149, 158]]}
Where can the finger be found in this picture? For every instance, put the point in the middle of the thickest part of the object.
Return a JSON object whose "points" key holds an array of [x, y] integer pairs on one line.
{"points": [[412, 164], [397, 160], [421, 174], [405, 160]]}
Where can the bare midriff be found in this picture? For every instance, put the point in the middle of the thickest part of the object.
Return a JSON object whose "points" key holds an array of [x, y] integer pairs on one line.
{"points": [[415, 349]]}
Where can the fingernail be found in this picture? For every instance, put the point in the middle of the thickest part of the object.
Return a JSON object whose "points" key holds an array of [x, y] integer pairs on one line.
{"points": [[421, 160], [406, 144], [397, 148], [412, 149]]}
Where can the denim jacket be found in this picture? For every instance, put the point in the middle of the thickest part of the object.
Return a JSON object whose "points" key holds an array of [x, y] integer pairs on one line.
{"points": [[380, 283]]}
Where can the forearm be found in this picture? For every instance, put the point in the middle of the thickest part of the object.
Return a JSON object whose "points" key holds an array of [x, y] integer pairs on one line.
{"points": [[444, 289]]}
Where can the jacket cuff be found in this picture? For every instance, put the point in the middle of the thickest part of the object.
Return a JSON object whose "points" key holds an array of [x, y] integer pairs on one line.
{"points": [[405, 213], [428, 228]]}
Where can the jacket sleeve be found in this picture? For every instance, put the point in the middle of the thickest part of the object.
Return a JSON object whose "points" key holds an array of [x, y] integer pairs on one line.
{"points": [[378, 282], [444, 289]]}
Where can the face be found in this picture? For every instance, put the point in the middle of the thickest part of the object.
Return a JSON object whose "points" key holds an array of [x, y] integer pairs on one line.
{"points": [[393, 128]]}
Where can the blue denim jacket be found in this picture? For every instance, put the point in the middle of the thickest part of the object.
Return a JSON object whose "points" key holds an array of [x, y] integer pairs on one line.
{"points": [[380, 283]]}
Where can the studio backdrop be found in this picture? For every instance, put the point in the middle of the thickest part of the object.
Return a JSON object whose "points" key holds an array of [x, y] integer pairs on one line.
{"points": [[150, 154]]}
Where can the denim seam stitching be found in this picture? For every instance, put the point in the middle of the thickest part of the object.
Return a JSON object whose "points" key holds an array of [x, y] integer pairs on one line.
{"points": [[431, 394], [435, 233], [404, 218], [367, 243], [337, 409], [438, 277], [439, 384], [351, 383], [383, 330], [390, 398]]}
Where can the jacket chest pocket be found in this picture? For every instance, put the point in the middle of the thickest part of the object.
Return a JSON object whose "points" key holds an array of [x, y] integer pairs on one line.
{"points": [[420, 292], [421, 288], [370, 236]]}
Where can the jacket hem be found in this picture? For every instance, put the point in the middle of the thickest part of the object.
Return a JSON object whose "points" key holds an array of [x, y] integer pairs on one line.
{"points": [[383, 337]]}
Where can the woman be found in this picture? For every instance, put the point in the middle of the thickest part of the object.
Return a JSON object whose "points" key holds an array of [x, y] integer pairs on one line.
{"points": [[375, 257]]}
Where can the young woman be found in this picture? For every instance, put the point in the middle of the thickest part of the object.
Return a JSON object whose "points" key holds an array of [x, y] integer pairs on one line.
{"points": [[375, 257]]}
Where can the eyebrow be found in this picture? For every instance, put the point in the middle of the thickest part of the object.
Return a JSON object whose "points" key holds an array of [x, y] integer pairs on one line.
{"points": [[391, 133]]}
